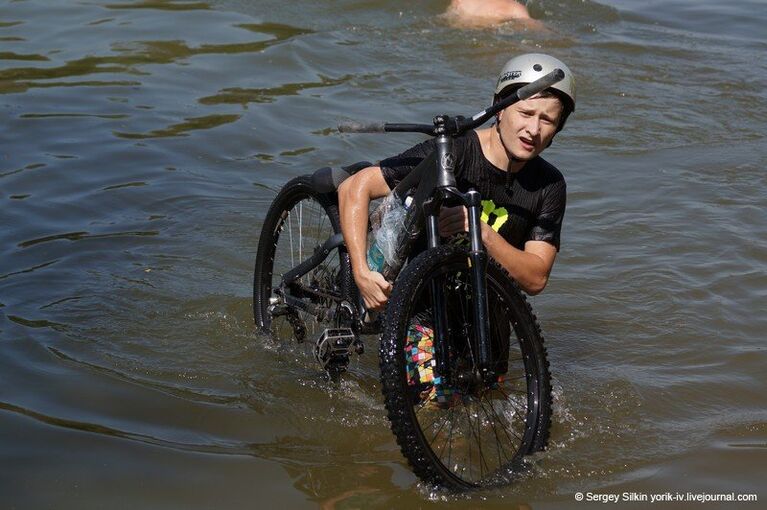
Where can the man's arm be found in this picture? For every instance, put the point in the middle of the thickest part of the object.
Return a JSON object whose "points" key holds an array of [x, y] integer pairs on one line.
{"points": [[530, 268], [354, 196]]}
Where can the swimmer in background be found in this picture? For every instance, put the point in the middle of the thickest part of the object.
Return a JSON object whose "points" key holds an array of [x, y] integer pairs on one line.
{"points": [[487, 13]]}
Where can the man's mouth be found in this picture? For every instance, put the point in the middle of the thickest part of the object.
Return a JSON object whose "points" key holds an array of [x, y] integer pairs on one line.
{"points": [[527, 143]]}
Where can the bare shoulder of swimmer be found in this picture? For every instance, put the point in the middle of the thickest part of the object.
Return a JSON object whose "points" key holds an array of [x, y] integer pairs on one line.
{"points": [[485, 13]]}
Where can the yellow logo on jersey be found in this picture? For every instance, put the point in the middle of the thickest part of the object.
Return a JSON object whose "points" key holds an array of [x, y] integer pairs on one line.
{"points": [[494, 216]]}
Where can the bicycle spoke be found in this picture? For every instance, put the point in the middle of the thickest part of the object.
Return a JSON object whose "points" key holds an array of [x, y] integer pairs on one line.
{"points": [[498, 446], [504, 429], [511, 403], [290, 235], [300, 236], [450, 444], [444, 422], [483, 460], [449, 437]]}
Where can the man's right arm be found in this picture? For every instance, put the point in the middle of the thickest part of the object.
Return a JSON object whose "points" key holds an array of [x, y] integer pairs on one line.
{"points": [[354, 196]]}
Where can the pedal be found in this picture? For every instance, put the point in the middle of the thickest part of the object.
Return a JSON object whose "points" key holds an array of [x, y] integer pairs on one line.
{"points": [[334, 346]]}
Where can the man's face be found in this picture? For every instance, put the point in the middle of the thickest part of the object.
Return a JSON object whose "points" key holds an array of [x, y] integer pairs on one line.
{"points": [[527, 127]]}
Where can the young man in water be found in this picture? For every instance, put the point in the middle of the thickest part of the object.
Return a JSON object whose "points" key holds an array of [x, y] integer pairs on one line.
{"points": [[523, 195]]}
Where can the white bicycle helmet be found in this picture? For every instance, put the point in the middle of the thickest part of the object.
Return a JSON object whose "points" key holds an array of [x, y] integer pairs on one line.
{"points": [[529, 67]]}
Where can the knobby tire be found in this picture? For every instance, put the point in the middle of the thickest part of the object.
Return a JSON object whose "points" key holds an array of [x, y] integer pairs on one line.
{"points": [[407, 397]]}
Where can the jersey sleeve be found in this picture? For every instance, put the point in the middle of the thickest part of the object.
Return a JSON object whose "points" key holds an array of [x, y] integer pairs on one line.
{"points": [[395, 169], [548, 224]]}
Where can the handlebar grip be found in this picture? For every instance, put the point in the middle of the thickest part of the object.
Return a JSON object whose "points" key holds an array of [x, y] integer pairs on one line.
{"points": [[359, 127], [540, 84]]}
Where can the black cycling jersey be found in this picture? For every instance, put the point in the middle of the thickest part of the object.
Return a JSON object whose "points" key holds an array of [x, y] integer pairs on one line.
{"points": [[523, 206]]}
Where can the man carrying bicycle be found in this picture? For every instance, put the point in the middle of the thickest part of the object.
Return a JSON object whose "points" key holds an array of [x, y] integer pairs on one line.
{"points": [[523, 195]]}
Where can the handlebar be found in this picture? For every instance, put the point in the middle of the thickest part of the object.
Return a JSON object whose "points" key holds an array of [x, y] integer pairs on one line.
{"points": [[351, 126], [384, 127], [457, 125]]}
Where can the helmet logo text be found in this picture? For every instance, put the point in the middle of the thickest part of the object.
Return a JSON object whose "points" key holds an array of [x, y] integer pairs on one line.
{"points": [[509, 75]]}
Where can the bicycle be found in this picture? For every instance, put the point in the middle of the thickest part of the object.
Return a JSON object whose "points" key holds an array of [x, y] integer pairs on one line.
{"points": [[467, 396]]}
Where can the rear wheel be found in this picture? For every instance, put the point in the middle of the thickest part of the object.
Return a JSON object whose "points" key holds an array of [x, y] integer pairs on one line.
{"points": [[455, 429], [299, 220]]}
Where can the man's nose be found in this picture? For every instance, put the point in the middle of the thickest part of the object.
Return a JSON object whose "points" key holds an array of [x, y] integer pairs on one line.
{"points": [[534, 126]]}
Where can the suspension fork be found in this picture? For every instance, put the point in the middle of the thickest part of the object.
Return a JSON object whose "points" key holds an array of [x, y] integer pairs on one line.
{"points": [[442, 344], [478, 261]]}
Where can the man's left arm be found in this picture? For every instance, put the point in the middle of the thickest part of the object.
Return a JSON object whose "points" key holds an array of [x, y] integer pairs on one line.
{"points": [[529, 267]]}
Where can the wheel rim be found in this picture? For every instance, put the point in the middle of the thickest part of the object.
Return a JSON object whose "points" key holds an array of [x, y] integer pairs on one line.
{"points": [[475, 432]]}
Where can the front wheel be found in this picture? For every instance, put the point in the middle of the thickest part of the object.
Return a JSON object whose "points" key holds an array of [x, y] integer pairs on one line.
{"points": [[456, 429]]}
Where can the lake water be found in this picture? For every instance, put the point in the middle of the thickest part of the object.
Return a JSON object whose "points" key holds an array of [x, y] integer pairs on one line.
{"points": [[142, 141]]}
